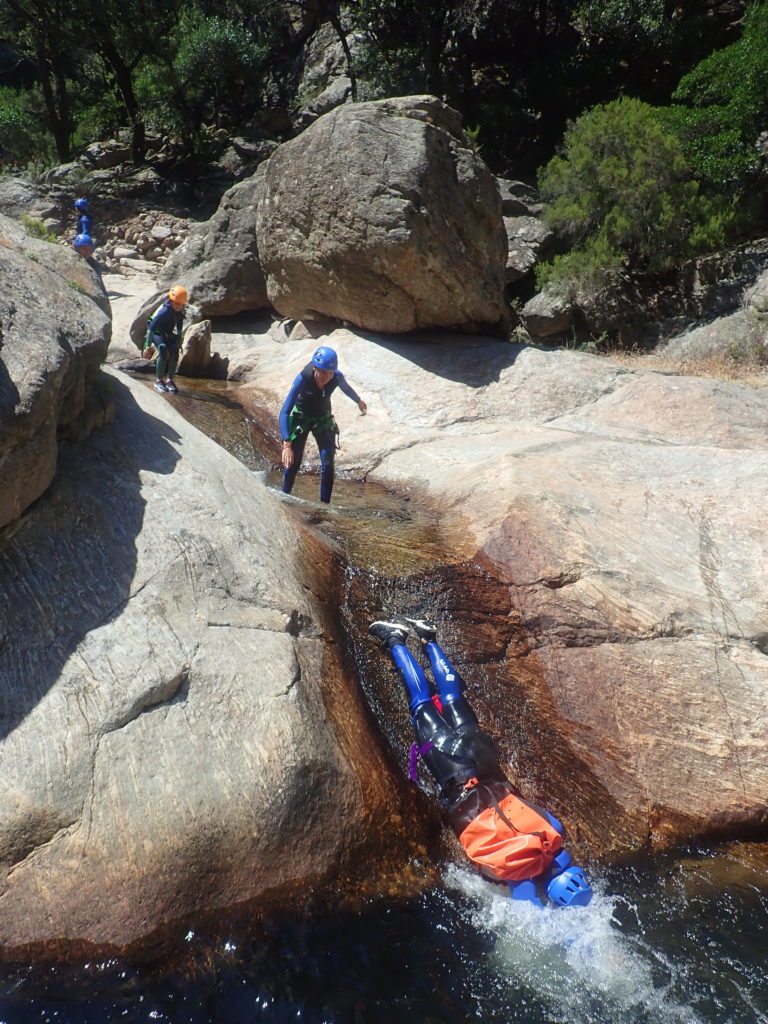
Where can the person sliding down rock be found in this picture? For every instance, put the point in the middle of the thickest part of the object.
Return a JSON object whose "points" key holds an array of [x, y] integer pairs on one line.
{"points": [[307, 410], [511, 840], [164, 334]]}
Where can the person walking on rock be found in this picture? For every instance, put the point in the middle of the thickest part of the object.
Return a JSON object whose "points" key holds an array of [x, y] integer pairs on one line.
{"points": [[307, 410], [511, 840], [164, 332]]}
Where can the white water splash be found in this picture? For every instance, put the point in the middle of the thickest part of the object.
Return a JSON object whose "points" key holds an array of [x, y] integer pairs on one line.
{"points": [[573, 960]]}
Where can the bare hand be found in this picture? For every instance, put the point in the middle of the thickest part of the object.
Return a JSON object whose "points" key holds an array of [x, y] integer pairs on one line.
{"points": [[362, 407], [287, 456]]}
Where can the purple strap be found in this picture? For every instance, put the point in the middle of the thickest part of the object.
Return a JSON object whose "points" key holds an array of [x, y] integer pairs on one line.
{"points": [[416, 752]]}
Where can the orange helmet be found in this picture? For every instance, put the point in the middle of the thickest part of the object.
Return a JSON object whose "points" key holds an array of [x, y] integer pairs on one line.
{"points": [[178, 294]]}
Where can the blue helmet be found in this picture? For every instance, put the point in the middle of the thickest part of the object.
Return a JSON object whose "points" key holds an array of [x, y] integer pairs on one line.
{"points": [[325, 359], [81, 204], [83, 240], [570, 888]]}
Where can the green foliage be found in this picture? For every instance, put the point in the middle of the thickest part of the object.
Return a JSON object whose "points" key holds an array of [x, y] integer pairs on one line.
{"points": [[622, 192], [22, 126], [588, 267], [749, 351], [623, 23], [406, 46], [723, 106], [99, 110], [214, 65], [473, 134], [215, 57], [36, 228]]}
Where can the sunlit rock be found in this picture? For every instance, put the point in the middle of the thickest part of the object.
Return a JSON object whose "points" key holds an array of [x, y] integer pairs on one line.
{"points": [[218, 263], [54, 333], [381, 214], [178, 731], [620, 637]]}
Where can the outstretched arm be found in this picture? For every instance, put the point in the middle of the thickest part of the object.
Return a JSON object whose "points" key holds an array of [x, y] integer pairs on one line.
{"points": [[350, 392]]}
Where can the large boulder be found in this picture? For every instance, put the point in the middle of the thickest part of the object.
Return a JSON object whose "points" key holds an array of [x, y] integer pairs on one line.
{"points": [[518, 199], [178, 730], [382, 215], [54, 333], [218, 263], [711, 285], [20, 198], [615, 624]]}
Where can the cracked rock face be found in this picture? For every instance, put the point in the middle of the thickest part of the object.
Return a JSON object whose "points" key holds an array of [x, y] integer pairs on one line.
{"points": [[54, 333], [169, 727], [619, 515], [380, 214]]}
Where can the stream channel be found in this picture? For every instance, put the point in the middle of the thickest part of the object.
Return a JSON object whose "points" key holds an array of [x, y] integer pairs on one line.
{"points": [[680, 939]]}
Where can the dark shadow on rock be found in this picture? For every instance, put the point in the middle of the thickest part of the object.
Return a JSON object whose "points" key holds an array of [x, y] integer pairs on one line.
{"points": [[112, 293], [139, 366], [251, 321], [68, 565], [9, 393], [472, 360]]}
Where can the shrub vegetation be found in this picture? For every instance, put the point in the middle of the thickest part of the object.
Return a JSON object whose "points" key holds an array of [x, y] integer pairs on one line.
{"points": [[621, 193]]}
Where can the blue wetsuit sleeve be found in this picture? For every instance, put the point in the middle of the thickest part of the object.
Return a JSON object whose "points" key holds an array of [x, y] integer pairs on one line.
{"points": [[288, 404], [347, 388]]}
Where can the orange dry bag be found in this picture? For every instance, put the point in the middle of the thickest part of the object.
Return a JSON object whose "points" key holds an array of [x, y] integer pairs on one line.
{"points": [[513, 845]]}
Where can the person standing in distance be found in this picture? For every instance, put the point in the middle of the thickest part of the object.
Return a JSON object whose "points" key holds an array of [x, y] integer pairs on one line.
{"points": [[307, 410], [83, 246], [83, 217]]}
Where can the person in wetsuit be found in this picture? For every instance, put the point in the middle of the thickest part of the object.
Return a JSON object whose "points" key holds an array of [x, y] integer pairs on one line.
{"points": [[307, 410], [511, 840], [83, 217], [83, 246], [164, 334]]}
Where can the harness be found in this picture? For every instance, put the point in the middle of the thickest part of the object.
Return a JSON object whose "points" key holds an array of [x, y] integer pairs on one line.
{"points": [[300, 423]]}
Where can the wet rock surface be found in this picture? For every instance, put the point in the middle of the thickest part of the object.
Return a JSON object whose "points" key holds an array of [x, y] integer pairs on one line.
{"points": [[621, 513]]}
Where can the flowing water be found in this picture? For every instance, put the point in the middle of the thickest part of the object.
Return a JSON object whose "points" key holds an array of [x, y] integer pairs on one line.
{"points": [[675, 941]]}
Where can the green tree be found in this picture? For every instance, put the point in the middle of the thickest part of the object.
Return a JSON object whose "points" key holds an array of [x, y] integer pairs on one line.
{"points": [[210, 66], [22, 126], [43, 29], [407, 42], [622, 193], [722, 107], [118, 32]]}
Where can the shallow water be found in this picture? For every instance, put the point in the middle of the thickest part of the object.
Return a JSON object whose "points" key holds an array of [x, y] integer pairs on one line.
{"points": [[677, 941], [655, 954]]}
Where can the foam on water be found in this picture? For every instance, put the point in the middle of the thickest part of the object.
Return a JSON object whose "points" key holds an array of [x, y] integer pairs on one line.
{"points": [[575, 961]]}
